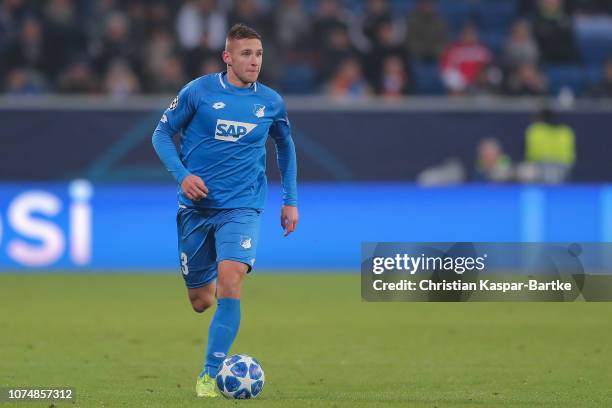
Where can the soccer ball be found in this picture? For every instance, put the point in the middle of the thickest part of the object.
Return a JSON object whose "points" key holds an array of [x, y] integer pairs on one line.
{"points": [[240, 377]]}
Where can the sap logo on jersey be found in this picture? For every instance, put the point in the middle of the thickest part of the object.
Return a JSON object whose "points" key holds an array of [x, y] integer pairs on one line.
{"points": [[230, 131]]}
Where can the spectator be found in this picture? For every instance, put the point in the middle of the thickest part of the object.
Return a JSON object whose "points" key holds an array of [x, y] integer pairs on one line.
{"points": [[336, 49], [387, 44], [116, 44], [492, 165], [426, 32], [78, 78], [171, 77], [61, 26], [604, 88], [24, 81], [462, 61], [329, 18], [348, 81], [120, 81], [158, 16], [394, 80], [554, 32], [12, 13], [526, 80], [521, 47], [210, 65], [550, 148], [377, 14], [193, 58], [292, 25], [158, 51], [31, 50], [101, 11], [198, 20]]}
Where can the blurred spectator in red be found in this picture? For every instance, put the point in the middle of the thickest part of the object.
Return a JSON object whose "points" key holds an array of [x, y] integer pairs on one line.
{"points": [[492, 165], [604, 88], [387, 44], [292, 26], [348, 81], [554, 32], [521, 47], [526, 80], [426, 32], [24, 81], [198, 19], [462, 61], [78, 78], [394, 81], [120, 80]]}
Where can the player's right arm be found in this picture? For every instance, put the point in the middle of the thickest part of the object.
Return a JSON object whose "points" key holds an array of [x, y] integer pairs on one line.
{"points": [[176, 117]]}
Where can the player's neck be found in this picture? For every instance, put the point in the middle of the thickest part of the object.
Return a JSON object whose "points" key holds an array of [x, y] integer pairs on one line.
{"points": [[235, 81]]}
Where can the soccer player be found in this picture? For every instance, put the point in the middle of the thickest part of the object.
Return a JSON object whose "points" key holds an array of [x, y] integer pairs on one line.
{"points": [[224, 120]]}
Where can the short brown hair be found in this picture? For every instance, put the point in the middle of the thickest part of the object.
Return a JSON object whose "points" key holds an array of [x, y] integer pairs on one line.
{"points": [[241, 31]]}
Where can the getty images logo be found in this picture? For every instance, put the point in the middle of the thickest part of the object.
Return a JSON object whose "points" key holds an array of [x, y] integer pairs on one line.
{"points": [[36, 240], [231, 131]]}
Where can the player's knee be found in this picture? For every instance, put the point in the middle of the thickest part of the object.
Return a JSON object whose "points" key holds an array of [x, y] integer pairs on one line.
{"points": [[200, 305], [230, 279]]}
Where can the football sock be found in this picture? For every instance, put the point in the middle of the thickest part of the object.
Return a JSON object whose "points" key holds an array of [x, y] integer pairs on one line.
{"points": [[221, 334]]}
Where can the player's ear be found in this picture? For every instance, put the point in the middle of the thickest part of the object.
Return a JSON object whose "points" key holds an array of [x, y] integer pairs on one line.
{"points": [[227, 58]]}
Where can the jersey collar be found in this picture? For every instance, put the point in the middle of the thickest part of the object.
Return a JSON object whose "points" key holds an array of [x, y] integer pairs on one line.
{"points": [[226, 85]]}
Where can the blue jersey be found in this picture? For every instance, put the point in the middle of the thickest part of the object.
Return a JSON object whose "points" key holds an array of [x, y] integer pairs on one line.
{"points": [[223, 132]]}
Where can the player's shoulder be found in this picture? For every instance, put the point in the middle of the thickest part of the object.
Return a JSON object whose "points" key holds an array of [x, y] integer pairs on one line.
{"points": [[207, 82], [269, 93]]}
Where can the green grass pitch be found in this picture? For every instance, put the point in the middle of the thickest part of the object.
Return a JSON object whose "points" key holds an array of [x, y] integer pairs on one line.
{"points": [[131, 340]]}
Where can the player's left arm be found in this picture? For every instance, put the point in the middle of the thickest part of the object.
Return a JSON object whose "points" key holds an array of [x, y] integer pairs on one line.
{"points": [[280, 131]]}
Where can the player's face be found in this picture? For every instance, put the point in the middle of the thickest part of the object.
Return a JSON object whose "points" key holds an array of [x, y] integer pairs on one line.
{"points": [[245, 57]]}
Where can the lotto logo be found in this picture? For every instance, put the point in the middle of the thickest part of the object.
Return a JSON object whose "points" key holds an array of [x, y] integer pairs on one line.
{"points": [[230, 131]]}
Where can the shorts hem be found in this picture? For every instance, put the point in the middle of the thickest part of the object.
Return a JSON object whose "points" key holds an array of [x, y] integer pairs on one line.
{"points": [[200, 284], [229, 258]]}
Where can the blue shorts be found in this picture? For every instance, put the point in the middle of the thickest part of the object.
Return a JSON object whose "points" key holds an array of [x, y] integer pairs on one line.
{"points": [[207, 237]]}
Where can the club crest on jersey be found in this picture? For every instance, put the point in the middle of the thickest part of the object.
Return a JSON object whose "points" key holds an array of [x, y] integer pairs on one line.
{"points": [[245, 242], [231, 131], [258, 110]]}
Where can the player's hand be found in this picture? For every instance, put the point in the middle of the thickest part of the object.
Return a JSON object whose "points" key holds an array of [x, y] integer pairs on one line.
{"points": [[194, 188], [289, 218]]}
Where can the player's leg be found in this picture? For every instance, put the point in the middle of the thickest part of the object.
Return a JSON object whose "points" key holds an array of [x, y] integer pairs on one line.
{"points": [[197, 256], [203, 297], [236, 238]]}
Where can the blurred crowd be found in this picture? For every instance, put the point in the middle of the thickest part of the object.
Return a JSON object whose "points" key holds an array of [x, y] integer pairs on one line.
{"points": [[344, 48]]}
